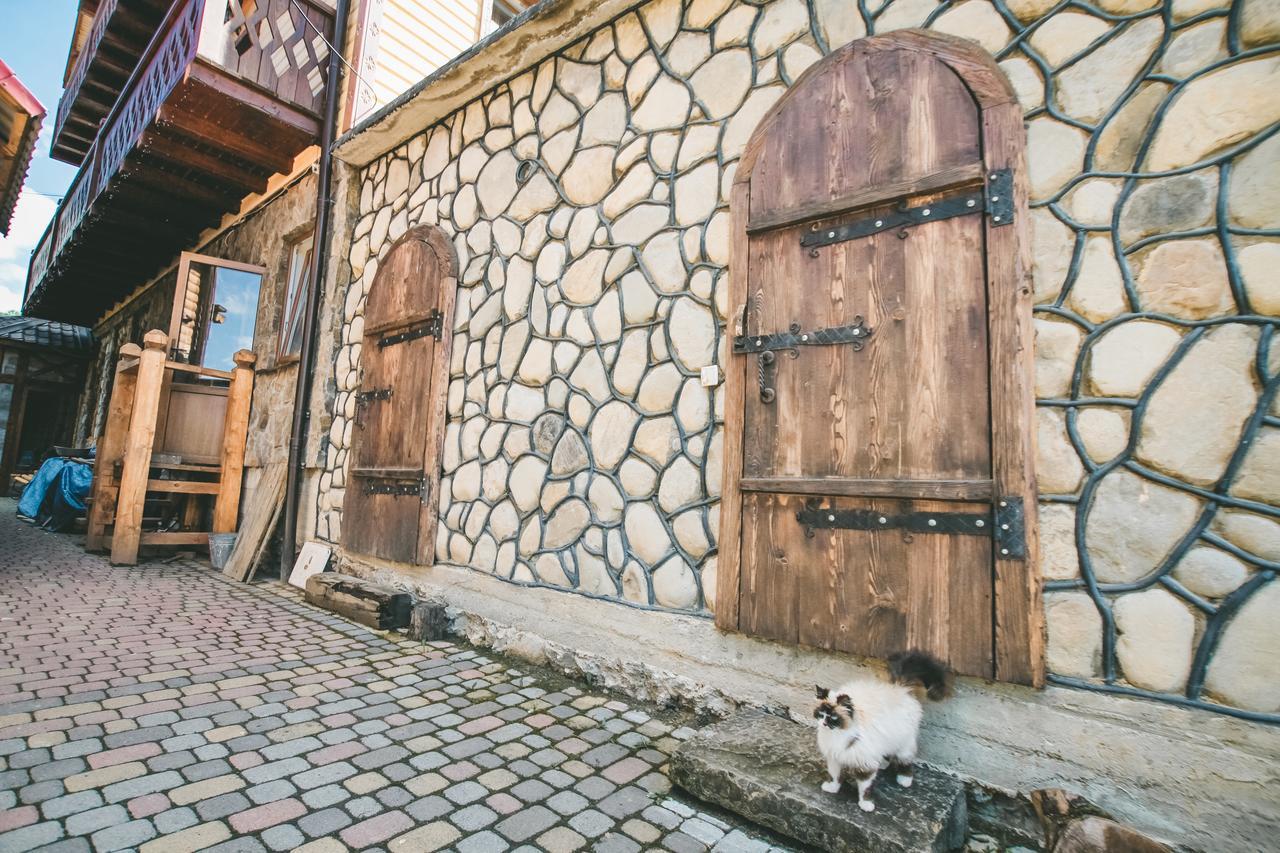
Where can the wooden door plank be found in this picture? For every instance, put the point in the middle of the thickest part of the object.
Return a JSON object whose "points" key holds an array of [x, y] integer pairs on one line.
{"points": [[437, 416], [182, 487], [263, 506], [1019, 619], [956, 490], [729, 546], [949, 179]]}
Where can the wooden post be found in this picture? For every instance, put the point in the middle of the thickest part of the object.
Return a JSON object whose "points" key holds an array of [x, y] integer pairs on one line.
{"points": [[137, 454], [110, 450], [235, 430]]}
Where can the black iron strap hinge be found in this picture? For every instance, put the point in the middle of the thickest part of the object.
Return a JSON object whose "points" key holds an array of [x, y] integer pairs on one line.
{"points": [[855, 334], [421, 487], [365, 398], [1004, 524], [995, 199], [433, 327]]}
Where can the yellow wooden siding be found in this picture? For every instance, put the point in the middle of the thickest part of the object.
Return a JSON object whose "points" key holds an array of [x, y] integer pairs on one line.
{"points": [[417, 37]]}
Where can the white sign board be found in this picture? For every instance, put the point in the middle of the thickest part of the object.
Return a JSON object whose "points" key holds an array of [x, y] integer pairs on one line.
{"points": [[313, 560]]}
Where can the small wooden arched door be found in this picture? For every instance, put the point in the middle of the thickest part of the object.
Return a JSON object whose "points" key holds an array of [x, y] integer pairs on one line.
{"points": [[390, 506], [878, 485]]}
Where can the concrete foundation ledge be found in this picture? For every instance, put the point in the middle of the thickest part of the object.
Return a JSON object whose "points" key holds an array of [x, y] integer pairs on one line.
{"points": [[1192, 778]]}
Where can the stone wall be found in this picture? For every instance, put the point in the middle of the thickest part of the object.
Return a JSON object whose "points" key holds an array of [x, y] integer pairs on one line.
{"points": [[264, 237], [586, 198]]}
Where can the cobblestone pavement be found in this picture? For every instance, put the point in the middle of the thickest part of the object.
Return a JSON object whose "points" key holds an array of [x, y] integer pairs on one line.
{"points": [[164, 709]]}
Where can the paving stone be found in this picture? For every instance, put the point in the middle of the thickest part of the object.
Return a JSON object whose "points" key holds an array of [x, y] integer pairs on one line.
{"points": [[227, 746], [87, 822], [591, 823], [527, 823], [174, 820], [433, 836], [222, 805], [377, 829], [123, 835], [70, 804], [325, 822], [473, 817], [283, 837]]}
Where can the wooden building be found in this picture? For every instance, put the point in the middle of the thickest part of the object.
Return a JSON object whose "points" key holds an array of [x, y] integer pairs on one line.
{"points": [[42, 369], [196, 127], [714, 348], [21, 116]]}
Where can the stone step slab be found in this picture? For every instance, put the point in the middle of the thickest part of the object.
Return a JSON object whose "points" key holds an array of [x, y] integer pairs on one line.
{"points": [[767, 769]]}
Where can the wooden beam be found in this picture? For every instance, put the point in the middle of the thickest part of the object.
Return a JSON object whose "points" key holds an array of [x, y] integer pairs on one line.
{"points": [[111, 447], [218, 80], [235, 431], [184, 156], [175, 119], [938, 490], [182, 487], [180, 537], [957, 177], [137, 454]]}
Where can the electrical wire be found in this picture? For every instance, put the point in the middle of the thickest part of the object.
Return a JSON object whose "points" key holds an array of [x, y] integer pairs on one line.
{"points": [[333, 49]]}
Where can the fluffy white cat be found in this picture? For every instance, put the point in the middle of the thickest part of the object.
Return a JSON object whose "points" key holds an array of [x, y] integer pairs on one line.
{"points": [[869, 725]]}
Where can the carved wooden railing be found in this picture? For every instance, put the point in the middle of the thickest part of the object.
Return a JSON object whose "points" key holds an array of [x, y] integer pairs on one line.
{"points": [[72, 90], [277, 45], [275, 48]]}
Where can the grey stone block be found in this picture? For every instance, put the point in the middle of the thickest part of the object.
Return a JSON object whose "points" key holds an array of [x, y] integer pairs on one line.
{"points": [[767, 769]]}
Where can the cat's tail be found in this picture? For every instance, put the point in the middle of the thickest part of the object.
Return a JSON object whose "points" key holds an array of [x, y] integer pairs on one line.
{"points": [[914, 668]]}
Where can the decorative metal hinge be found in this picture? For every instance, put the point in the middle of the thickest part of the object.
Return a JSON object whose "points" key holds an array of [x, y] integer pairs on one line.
{"points": [[433, 327], [1011, 529], [996, 199], [1004, 525], [365, 398], [855, 334], [416, 487], [1000, 197]]}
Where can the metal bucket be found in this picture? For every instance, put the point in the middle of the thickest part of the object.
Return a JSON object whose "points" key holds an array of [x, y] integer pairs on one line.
{"points": [[220, 547]]}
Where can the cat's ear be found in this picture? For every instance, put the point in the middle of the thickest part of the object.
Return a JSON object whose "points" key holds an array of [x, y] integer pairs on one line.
{"points": [[844, 700], [821, 692]]}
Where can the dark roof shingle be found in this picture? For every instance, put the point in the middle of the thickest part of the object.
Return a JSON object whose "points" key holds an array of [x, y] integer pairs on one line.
{"points": [[46, 333]]}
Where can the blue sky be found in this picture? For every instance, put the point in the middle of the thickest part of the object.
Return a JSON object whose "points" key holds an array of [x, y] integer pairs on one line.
{"points": [[33, 41]]}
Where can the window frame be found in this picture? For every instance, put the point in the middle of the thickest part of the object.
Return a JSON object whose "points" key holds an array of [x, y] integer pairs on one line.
{"points": [[303, 286], [185, 260]]}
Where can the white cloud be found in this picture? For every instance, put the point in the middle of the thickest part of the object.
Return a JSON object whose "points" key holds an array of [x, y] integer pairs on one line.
{"points": [[30, 217]]}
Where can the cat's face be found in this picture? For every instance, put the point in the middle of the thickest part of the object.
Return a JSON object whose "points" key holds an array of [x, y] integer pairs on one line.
{"points": [[833, 712]]}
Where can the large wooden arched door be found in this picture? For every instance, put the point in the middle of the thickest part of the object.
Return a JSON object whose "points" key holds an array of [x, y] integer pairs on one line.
{"points": [[878, 485], [391, 500]]}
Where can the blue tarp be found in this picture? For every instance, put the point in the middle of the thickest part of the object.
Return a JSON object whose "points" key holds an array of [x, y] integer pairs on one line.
{"points": [[56, 494]]}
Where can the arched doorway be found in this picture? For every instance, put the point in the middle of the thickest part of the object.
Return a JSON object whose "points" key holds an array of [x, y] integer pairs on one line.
{"points": [[878, 489], [391, 499]]}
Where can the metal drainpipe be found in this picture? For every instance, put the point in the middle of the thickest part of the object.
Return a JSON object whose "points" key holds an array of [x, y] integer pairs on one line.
{"points": [[320, 243]]}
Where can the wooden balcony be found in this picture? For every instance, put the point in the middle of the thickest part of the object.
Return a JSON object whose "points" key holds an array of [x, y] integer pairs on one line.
{"points": [[226, 94], [99, 69]]}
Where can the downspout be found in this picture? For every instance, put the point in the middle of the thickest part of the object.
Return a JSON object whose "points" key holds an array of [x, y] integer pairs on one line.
{"points": [[307, 358]]}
